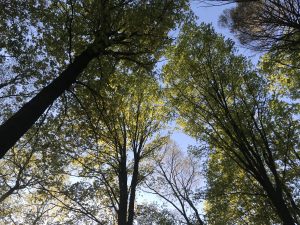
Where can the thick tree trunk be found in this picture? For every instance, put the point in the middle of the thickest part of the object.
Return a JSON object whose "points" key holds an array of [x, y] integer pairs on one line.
{"points": [[17, 125], [277, 199], [281, 208]]}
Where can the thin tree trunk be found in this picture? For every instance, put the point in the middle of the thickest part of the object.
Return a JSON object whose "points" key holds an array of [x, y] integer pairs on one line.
{"points": [[122, 212], [134, 183], [8, 193], [17, 125]]}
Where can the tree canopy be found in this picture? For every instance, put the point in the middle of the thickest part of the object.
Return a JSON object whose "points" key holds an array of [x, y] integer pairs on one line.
{"points": [[88, 110], [220, 98], [60, 38]]}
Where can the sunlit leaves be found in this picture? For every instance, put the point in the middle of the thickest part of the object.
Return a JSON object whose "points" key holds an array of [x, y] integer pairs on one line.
{"points": [[222, 100]]}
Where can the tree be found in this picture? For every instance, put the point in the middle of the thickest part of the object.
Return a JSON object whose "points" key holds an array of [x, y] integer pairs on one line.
{"points": [[116, 132], [266, 24], [222, 100], [47, 36], [177, 181], [272, 26]]}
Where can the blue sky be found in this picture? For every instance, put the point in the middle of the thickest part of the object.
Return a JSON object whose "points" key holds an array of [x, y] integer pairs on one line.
{"points": [[210, 14]]}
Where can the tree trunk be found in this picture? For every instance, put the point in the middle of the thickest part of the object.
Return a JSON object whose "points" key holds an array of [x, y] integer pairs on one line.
{"points": [[8, 193], [17, 125], [122, 212], [134, 183], [277, 199], [282, 210]]}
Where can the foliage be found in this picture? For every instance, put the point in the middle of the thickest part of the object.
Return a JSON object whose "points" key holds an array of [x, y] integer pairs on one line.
{"points": [[29, 164], [266, 24], [222, 100], [233, 197], [283, 73], [87, 158], [153, 215], [61, 38]]}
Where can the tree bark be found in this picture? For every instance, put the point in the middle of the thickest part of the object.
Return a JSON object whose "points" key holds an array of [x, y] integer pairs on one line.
{"points": [[8, 193], [280, 206], [275, 195], [134, 183], [122, 211], [17, 125]]}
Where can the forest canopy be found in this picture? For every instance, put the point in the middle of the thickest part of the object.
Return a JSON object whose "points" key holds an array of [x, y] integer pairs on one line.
{"points": [[88, 110]]}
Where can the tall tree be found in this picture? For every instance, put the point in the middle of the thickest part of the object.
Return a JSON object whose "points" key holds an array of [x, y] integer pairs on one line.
{"points": [[222, 100], [62, 37], [265, 24], [117, 123]]}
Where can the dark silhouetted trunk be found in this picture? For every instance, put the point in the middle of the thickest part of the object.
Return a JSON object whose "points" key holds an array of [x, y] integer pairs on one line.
{"points": [[277, 199], [17, 125], [134, 183], [7, 194], [122, 212]]}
